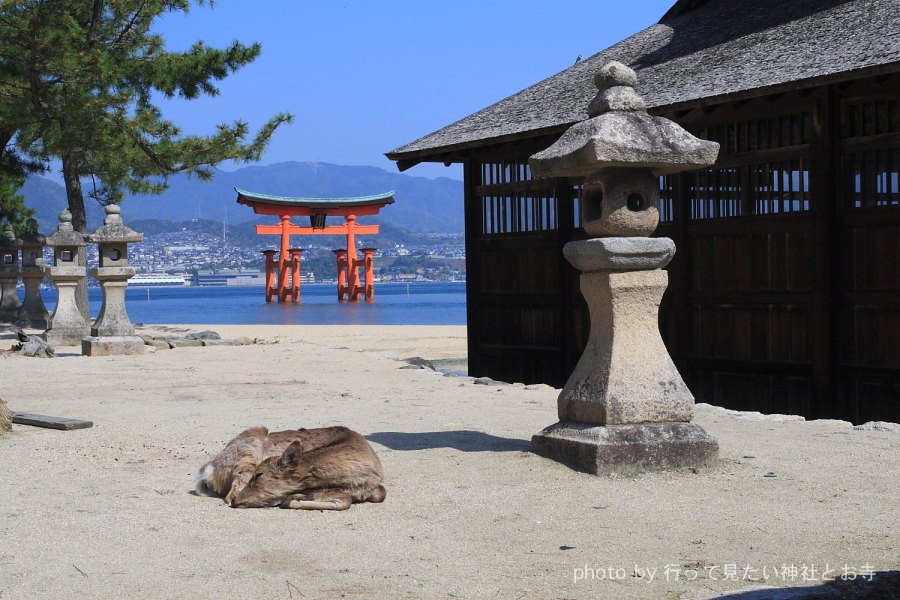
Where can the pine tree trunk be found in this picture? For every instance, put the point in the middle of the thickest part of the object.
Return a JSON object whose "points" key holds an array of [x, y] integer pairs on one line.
{"points": [[5, 418], [75, 199]]}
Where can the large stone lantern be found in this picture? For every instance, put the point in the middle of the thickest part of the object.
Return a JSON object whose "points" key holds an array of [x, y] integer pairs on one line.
{"points": [[33, 313], [67, 325], [9, 275], [113, 332], [625, 408]]}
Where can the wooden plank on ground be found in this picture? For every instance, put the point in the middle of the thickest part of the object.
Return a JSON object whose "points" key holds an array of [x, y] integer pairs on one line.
{"points": [[36, 420]]}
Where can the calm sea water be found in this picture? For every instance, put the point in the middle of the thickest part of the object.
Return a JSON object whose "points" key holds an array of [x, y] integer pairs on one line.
{"points": [[395, 304]]}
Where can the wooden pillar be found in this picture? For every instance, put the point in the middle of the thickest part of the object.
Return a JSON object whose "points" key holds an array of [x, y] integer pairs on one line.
{"points": [[825, 208], [369, 271], [680, 351], [473, 225], [283, 259], [341, 256], [359, 289], [270, 273], [295, 274], [352, 267], [566, 324]]}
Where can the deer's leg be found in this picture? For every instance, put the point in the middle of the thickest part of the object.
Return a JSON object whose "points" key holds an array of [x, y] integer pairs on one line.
{"points": [[325, 499]]}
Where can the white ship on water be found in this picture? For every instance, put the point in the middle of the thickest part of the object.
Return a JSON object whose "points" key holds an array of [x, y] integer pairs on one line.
{"points": [[157, 280]]}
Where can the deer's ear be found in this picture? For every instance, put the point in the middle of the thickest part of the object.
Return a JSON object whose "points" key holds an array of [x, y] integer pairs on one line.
{"points": [[291, 457]]}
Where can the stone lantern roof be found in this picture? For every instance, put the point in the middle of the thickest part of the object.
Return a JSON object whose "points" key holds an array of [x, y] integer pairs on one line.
{"points": [[65, 234], [30, 236], [620, 133], [113, 229]]}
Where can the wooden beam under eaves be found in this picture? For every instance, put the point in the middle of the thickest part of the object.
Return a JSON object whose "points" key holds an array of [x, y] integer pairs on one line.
{"points": [[406, 163]]}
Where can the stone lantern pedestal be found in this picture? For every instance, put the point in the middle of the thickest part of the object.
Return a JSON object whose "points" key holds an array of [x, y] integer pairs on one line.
{"points": [[625, 375], [33, 313], [67, 325], [9, 276], [625, 408], [113, 332]]}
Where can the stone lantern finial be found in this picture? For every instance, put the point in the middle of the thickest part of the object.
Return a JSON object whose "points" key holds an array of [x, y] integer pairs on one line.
{"points": [[615, 90], [65, 221], [113, 214]]}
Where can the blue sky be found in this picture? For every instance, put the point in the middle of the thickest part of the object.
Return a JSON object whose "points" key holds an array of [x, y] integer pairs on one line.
{"points": [[364, 77]]}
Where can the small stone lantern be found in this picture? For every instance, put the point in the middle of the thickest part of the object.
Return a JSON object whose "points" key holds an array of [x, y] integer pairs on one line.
{"points": [[625, 408], [9, 275], [33, 313], [113, 332], [67, 325]]}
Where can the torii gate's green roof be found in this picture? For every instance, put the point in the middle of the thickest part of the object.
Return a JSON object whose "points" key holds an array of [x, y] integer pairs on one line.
{"points": [[250, 198]]}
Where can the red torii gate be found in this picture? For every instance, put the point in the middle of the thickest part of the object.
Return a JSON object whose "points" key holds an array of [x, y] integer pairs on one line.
{"points": [[284, 283]]}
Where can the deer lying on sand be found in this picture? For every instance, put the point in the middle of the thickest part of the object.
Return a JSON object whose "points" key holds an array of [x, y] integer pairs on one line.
{"points": [[313, 469]]}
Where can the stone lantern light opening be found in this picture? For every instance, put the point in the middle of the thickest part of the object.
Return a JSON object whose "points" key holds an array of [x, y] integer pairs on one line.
{"points": [[625, 408]]}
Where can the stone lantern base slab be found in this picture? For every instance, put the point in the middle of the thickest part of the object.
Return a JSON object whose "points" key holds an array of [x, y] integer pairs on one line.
{"points": [[26, 321], [628, 449], [112, 345], [64, 336]]}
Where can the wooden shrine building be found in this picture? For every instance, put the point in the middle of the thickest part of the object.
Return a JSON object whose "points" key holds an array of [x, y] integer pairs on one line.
{"points": [[784, 294], [283, 266]]}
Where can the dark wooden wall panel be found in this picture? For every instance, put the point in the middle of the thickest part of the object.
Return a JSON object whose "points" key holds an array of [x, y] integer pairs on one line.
{"points": [[868, 305]]}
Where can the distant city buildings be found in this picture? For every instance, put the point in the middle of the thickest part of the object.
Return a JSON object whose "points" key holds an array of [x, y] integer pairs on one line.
{"points": [[206, 259]]}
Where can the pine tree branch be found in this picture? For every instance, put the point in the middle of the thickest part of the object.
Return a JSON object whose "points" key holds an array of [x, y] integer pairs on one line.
{"points": [[128, 27]]}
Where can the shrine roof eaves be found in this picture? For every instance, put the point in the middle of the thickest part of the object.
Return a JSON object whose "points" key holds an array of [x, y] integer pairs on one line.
{"points": [[250, 198], [701, 53]]}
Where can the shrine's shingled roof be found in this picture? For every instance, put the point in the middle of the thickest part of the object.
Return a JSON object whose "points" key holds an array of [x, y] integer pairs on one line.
{"points": [[701, 51]]}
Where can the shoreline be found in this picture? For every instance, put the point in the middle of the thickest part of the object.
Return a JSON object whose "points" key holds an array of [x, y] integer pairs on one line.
{"points": [[421, 304], [442, 342]]}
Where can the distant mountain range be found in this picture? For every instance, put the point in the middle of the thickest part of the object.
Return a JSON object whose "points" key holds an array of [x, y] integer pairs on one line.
{"points": [[421, 204]]}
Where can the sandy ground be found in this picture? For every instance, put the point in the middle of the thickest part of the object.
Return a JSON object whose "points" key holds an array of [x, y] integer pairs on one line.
{"points": [[108, 512]]}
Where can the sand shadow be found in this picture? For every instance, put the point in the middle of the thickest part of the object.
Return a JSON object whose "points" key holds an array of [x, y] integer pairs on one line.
{"points": [[463, 440], [883, 585]]}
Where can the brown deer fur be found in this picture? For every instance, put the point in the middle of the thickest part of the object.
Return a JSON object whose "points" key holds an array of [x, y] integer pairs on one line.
{"points": [[346, 468], [329, 469]]}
